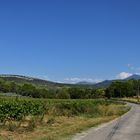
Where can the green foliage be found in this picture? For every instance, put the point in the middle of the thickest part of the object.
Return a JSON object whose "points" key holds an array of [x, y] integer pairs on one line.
{"points": [[117, 89], [12, 109], [122, 89], [62, 94], [27, 113], [24, 90], [16, 110], [85, 93], [59, 93]]}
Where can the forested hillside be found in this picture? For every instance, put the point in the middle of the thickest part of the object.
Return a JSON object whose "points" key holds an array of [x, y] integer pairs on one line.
{"points": [[125, 88]]}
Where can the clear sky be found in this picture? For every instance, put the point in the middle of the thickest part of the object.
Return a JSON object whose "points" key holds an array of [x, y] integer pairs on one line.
{"points": [[70, 40]]}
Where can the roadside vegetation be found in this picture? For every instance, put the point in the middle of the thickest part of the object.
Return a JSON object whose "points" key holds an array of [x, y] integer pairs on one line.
{"points": [[123, 89], [28, 118], [132, 100]]}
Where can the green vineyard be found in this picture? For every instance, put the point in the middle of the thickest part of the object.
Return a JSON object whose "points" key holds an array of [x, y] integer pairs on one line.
{"points": [[14, 109]]}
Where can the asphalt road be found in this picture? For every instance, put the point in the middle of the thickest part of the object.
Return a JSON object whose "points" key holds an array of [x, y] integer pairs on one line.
{"points": [[126, 127]]}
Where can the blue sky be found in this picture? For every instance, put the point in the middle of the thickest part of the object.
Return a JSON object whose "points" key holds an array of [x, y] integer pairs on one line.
{"points": [[70, 40]]}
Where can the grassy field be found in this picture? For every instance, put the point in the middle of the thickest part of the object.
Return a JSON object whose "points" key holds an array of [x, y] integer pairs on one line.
{"points": [[40, 119]]}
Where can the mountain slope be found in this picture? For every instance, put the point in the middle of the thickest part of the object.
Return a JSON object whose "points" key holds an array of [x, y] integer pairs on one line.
{"points": [[39, 82], [35, 81], [48, 84], [106, 83], [85, 83], [134, 76]]}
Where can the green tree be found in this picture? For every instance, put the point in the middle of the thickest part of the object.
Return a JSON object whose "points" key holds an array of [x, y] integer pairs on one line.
{"points": [[62, 94]]}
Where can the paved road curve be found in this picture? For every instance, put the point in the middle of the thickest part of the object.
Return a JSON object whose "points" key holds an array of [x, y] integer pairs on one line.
{"points": [[125, 128]]}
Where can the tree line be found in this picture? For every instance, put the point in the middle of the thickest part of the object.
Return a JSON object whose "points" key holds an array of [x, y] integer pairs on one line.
{"points": [[117, 89], [56, 93], [122, 89]]}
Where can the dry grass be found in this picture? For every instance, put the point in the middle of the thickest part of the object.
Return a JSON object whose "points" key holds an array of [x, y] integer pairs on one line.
{"points": [[59, 129], [62, 127], [133, 100]]}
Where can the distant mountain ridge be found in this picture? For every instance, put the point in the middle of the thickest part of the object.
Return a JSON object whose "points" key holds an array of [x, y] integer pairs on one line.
{"points": [[49, 84], [85, 83], [134, 76], [106, 83], [17, 76], [27, 79]]}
